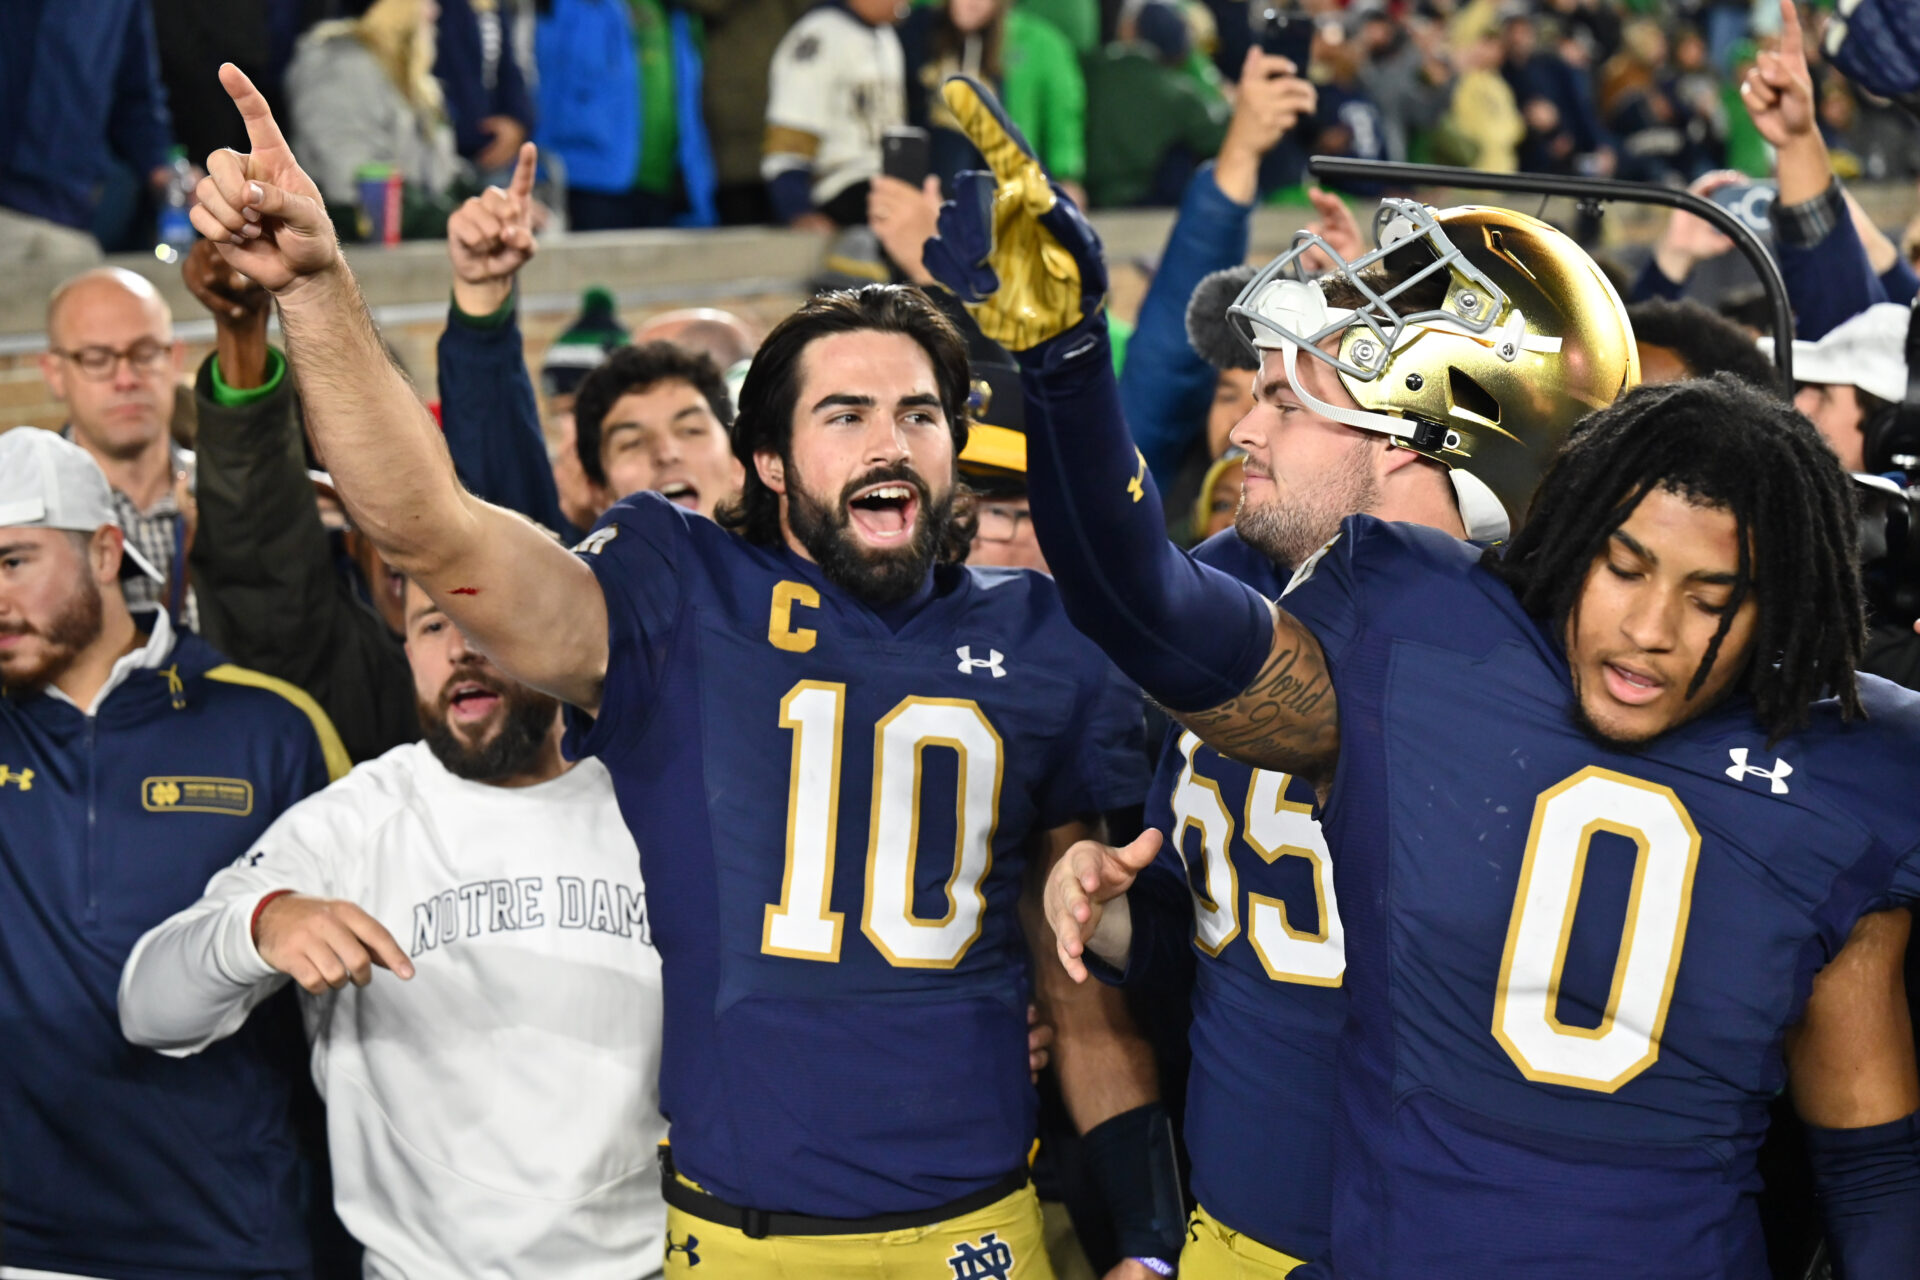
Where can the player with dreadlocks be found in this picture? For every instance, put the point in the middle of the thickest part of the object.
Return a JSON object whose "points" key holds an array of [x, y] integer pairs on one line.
{"points": [[1721, 444], [1585, 949]]}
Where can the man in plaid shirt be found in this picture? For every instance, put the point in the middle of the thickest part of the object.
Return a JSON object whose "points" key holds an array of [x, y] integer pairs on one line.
{"points": [[113, 360]]}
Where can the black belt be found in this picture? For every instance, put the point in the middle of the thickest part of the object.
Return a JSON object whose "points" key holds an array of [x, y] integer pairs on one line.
{"points": [[757, 1224]]}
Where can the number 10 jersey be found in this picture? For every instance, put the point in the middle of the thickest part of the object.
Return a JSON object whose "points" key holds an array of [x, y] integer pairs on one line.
{"points": [[833, 806]]}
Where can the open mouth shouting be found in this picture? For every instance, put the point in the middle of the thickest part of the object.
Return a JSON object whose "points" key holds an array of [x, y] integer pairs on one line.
{"points": [[681, 494], [471, 701], [885, 514]]}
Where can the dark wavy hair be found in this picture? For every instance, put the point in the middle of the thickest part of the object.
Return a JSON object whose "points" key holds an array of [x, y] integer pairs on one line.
{"points": [[629, 370], [1720, 442], [1706, 343], [772, 393]]}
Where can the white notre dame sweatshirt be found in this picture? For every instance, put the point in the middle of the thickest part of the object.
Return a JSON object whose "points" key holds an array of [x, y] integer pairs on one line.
{"points": [[497, 1115]]}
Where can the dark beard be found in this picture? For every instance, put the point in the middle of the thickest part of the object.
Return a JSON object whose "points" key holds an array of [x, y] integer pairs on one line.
{"points": [[514, 749], [77, 626], [877, 578]]}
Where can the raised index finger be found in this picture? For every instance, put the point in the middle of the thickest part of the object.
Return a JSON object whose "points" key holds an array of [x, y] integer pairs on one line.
{"points": [[987, 126], [1792, 45], [522, 185], [263, 133]]}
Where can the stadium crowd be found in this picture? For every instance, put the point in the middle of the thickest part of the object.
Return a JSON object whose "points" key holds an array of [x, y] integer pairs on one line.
{"points": [[430, 838]]}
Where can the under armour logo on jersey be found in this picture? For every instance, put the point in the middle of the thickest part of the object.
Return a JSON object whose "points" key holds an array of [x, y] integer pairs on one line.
{"points": [[991, 1259], [1138, 485], [596, 542], [23, 778], [693, 1243], [1741, 769], [970, 663]]}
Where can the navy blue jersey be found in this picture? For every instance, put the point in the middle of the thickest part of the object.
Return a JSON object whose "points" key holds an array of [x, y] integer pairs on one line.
{"points": [[833, 808], [1267, 998], [1570, 968]]}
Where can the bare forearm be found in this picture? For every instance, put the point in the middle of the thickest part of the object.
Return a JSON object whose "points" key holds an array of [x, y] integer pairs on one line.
{"points": [[1287, 718], [374, 435], [1804, 170], [1105, 1065], [241, 352], [1851, 1059]]}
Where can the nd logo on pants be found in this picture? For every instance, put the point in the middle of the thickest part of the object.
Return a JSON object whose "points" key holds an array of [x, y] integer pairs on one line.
{"points": [[1003, 1241]]}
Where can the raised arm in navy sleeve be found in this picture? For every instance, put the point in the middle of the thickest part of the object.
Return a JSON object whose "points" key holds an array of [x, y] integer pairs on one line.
{"points": [[492, 420], [1191, 637], [1166, 387]]}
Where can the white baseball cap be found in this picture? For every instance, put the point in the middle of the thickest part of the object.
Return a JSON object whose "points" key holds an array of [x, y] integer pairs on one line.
{"points": [[1868, 351], [50, 483]]}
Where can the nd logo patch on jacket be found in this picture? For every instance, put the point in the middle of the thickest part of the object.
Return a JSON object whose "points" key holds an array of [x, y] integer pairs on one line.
{"points": [[117, 1161]]}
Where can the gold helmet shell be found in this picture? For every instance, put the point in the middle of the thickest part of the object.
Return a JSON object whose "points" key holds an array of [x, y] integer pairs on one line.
{"points": [[1475, 336]]}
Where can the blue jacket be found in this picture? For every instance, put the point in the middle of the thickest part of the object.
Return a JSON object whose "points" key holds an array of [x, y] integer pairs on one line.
{"points": [[492, 420], [1165, 387], [589, 104], [79, 85], [114, 1161]]}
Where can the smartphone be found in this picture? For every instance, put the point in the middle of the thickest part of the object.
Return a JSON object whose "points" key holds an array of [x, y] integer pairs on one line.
{"points": [[1289, 35], [1752, 203], [905, 154]]}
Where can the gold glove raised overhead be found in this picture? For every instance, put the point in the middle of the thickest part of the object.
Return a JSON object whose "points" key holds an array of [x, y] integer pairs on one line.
{"points": [[1044, 286]]}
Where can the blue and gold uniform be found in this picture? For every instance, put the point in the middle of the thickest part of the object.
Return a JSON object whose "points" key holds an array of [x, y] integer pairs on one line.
{"points": [[1570, 967], [1243, 876], [833, 805]]}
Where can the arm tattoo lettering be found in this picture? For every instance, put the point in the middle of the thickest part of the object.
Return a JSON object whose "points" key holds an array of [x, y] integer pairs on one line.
{"points": [[1287, 719]]}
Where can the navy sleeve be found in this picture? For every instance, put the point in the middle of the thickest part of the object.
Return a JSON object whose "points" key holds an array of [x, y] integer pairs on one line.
{"points": [[1166, 388], [637, 552], [1900, 282], [1829, 281], [492, 420], [1652, 283], [1190, 636]]}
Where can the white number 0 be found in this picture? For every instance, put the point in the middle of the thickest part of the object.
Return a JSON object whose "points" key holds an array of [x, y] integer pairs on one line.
{"points": [[800, 926], [1627, 1039]]}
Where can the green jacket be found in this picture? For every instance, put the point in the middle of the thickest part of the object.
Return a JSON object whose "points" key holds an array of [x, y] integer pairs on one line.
{"points": [[1137, 111], [1043, 90], [1077, 20], [270, 596]]}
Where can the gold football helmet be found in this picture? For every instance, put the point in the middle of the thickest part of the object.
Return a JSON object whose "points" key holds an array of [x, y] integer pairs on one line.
{"points": [[1474, 336]]}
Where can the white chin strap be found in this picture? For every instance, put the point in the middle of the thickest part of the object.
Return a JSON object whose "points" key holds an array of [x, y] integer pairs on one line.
{"points": [[1481, 513]]}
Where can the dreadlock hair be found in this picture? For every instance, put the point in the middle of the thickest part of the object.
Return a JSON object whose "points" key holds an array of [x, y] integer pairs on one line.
{"points": [[1719, 442], [764, 420]]}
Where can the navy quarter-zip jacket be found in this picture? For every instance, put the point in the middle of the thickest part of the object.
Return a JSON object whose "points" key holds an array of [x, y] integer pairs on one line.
{"points": [[117, 1162]]}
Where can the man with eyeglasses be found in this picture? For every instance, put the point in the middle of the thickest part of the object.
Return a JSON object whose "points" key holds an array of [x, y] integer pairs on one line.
{"points": [[113, 361]]}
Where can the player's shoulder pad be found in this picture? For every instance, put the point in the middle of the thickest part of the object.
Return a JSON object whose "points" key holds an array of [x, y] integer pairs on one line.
{"points": [[299, 707], [645, 516]]}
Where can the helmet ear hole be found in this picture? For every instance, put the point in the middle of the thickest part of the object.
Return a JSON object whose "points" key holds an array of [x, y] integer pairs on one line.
{"points": [[1468, 399]]}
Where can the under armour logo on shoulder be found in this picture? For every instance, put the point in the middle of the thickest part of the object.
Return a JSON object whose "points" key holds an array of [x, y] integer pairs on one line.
{"points": [[1740, 769], [693, 1243], [970, 663], [991, 1259]]}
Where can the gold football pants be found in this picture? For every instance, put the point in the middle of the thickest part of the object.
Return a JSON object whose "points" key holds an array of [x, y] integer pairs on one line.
{"points": [[1003, 1241], [1215, 1251]]}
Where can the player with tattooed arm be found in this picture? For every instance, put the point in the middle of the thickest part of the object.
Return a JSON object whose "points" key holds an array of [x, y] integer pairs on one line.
{"points": [[1612, 819]]}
